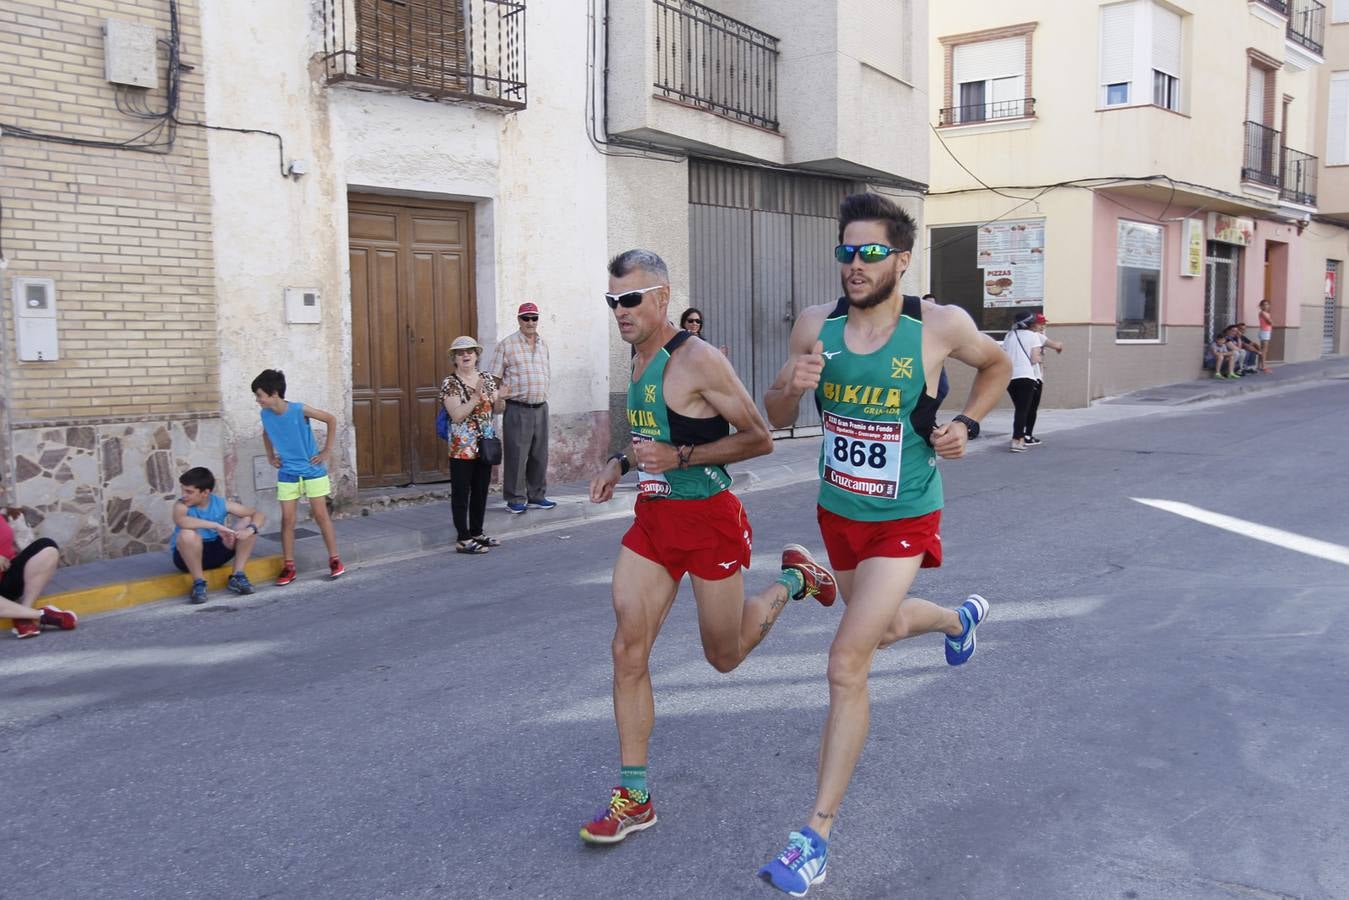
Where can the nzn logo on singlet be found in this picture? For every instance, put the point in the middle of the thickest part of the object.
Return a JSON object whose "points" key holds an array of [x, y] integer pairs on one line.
{"points": [[901, 368], [649, 392]]}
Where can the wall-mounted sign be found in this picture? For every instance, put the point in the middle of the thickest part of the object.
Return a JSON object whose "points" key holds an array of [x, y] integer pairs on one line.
{"points": [[1011, 254], [1192, 249], [1138, 246], [1237, 230]]}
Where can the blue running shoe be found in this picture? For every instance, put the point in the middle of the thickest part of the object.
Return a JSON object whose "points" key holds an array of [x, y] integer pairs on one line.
{"points": [[973, 611], [545, 503], [198, 595], [239, 583], [515, 508], [800, 865]]}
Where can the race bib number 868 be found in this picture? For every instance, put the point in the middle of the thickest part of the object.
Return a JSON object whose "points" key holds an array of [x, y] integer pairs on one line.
{"points": [[861, 456]]}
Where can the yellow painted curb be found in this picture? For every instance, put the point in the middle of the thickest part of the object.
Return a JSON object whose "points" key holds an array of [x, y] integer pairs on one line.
{"points": [[89, 601]]}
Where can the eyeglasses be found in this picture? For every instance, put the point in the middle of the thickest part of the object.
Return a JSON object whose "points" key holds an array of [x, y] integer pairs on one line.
{"points": [[529, 318], [870, 253], [629, 299]]}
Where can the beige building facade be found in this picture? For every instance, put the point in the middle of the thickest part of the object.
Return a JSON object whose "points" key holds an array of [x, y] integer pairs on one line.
{"points": [[1143, 173]]}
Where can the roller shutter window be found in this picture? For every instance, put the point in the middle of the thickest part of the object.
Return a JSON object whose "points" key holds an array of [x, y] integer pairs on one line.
{"points": [[990, 79], [1255, 95], [1165, 58], [1117, 53], [1337, 132]]}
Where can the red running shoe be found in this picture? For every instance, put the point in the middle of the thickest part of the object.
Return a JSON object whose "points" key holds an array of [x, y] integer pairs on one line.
{"points": [[287, 574], [819, 580], [26, 628], [63, 619], [620, 818], [335, 567]]}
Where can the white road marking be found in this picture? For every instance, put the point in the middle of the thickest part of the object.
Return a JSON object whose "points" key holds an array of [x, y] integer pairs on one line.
{"points": [[1276, 536]]}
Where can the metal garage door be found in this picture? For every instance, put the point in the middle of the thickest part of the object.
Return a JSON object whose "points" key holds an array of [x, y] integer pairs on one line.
{"points": [[760, 247]]}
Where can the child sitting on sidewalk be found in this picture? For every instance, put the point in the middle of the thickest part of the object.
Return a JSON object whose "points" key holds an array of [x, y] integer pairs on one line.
{"points": [[289, 440], [23, 575], [201, 540]]}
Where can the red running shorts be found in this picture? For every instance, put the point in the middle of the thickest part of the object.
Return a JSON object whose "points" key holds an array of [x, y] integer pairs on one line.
{"points": [[708, 538], [848, 541]]}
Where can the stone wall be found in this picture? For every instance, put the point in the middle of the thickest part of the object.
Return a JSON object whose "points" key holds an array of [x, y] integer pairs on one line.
{"points": [[106, 490]]}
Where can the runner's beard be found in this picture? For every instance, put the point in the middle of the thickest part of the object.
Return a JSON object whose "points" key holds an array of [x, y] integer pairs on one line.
{"points": [[884, 288]]}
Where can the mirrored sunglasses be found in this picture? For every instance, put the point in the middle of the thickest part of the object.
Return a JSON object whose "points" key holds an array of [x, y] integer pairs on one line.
{"points": [[870, 253], [629, 299]]}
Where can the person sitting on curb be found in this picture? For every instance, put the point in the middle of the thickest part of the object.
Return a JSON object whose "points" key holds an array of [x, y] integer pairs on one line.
{"points": [[201, 540], [1223, 353], [1252, 354], [23, 575]]}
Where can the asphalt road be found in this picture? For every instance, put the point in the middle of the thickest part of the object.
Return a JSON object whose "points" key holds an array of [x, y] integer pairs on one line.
{"points": [[1157, 708]]}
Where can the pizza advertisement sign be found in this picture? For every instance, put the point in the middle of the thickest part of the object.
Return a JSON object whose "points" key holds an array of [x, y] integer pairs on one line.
{"points": [[1011, 256]]}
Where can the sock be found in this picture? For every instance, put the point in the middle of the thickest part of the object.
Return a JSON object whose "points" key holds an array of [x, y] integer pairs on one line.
{"points": [[964, 622], [634, 779], [815, 836], [793, 581]]}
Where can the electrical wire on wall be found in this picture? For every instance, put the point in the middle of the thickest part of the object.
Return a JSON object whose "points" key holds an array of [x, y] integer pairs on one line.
{"points": [[158, 137]]}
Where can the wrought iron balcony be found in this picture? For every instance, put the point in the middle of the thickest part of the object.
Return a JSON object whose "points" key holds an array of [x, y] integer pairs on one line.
{"points": [[464, 50], [1298, 184], [988, 112], [1279, 6], [1261, 160], [712, 61], [1307, 24]]}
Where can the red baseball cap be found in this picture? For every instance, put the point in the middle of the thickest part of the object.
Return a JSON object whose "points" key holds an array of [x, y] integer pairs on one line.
{"points": [[528, 309]]}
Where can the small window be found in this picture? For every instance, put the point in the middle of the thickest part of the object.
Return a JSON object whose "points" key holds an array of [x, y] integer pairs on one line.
{"points": [[1138, 276], [1165, 90], [1117, 94]]}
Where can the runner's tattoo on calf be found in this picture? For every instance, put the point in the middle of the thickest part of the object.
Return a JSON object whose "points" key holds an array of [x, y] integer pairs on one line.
{"points": [[774, 608]]}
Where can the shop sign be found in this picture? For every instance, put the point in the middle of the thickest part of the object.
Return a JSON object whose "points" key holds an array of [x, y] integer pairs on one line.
{"points": [[1237, 230]]}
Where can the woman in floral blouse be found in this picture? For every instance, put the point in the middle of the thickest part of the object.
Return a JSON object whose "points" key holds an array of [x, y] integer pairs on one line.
{"points": [[470, 398]]}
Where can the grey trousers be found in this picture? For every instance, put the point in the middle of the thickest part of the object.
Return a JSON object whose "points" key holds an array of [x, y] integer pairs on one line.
{"points": [[524, 458]]}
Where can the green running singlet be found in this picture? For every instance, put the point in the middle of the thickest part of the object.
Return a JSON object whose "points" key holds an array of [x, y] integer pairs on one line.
{"points": [[875, 466], [651, 420]]}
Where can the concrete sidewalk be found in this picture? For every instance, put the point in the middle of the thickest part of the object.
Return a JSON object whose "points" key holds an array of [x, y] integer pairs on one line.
{"points": [[390, 533]]}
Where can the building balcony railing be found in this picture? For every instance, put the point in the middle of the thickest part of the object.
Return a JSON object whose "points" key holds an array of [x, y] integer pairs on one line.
{"points": [[712, 61], [1279, 6], [1260, 163], [1298, 182], [991, 111], [1307, 24], [460, 50]]}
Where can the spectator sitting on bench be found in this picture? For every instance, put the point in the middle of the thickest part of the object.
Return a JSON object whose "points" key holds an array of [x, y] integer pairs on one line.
{"points": [[201, 540], [1223, 352]]}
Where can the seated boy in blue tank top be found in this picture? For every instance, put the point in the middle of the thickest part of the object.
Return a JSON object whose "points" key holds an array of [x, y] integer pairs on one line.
{"points": [[201, 539], [289, 439]]}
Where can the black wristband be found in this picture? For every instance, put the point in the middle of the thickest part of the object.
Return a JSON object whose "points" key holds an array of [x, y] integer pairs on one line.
{"points": [[971, 426], [623, 463]]}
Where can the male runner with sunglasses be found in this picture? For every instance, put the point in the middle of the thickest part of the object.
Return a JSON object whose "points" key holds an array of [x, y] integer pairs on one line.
{"points": [[873, 360], [683, 399]]}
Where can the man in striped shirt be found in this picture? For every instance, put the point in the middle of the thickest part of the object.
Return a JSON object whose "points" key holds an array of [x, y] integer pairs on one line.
{"points": [[521, 363]]}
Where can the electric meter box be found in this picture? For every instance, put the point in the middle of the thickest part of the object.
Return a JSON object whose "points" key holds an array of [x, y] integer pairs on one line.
{"points": [[35, 319]]}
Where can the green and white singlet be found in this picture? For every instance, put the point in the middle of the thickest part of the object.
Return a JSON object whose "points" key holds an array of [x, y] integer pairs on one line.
{"points": [[875, 460], [651, 420]]}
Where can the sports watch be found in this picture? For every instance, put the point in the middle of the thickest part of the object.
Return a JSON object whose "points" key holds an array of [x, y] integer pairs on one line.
{"points": [[971, 426]]}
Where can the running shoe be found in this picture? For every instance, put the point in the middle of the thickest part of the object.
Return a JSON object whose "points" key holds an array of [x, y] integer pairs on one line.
{"points": [[26, 628], [486, 541], [1018, 447], [973, 611], [1031, 441], [545, 503], [800, 865], [198, 594], [515, 509], [335, 567], [819, 581], [621, 817], [239, 583], [55, 617], [287, 574]]}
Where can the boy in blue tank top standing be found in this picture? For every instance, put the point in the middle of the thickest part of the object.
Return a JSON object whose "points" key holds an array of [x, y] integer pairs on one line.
{"points": [[873, 361], [289, 439]]}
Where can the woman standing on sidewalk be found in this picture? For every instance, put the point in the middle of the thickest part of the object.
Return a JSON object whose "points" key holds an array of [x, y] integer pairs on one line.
{"points": [[1024, 347], [470, 398], [1038, 326], [1266, 335]]}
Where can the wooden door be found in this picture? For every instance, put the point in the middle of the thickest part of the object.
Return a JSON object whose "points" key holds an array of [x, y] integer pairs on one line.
{"points": [[411, 294]]}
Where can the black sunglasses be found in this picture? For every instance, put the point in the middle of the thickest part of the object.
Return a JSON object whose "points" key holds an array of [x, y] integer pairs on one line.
{"points": [[629, 299], [529, 318], [693, 321]]}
